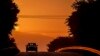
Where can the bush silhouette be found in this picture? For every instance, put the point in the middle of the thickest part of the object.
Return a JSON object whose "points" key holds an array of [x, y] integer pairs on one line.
{"points": [[60, 42]]}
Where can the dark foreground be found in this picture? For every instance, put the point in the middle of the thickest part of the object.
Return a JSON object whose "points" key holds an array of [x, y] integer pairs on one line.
{"points": [[47, 54]]}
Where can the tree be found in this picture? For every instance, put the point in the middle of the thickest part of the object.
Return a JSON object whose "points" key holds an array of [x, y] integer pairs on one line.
{"points": [[84, 22], [60, 42], [8, 18]]}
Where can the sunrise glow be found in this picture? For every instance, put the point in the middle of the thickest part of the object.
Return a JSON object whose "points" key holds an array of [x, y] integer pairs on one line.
{"points": [[41, 21], [16, 28]]}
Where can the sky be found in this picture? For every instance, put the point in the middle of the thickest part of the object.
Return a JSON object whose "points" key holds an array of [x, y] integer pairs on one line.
{"points": [[41, 21]]}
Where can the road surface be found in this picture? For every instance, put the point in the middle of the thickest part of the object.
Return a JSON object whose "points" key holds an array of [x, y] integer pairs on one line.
{"points": [[47, 54]]}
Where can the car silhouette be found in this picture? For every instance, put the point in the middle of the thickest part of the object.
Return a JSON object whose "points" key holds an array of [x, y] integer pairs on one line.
{"points": [[31, 47]]}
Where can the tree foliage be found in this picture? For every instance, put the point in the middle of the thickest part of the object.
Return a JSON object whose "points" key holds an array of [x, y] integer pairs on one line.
{"points": [[8, 18], [84, 22]]}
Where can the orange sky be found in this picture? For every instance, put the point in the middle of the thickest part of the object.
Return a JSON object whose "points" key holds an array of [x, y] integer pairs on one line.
{"points": [[44, 23]]}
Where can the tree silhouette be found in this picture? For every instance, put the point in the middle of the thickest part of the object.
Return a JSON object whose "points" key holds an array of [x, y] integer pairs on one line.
{"points": [[8, 18], [84, 22], [60, 42]]}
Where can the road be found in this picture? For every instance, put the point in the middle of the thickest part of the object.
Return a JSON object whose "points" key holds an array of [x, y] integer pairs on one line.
{"points": [[47, 54]]}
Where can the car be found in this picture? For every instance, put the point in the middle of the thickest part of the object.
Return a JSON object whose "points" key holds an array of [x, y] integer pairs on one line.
{"points": [[31, 47]]}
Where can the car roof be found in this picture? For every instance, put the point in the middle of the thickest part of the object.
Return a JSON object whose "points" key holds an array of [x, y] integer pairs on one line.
{"points": [[31, 43]]}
